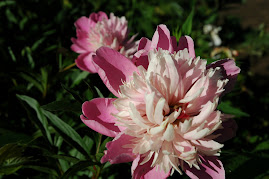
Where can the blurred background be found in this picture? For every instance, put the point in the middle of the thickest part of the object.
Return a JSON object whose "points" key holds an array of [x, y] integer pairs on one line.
{"points": [[41, 134]]}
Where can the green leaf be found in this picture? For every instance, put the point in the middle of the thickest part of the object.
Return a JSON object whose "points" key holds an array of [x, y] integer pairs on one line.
{"points": [[63, 105], [33, 80], [77, 167], [13, 57], [42, 169], [262, 146], [99, 92], [187, 25], [73, 93], [7, 136], [66, 158], [34, 104], [226, 107], [69, 132], [81, 75], [11, 158]]}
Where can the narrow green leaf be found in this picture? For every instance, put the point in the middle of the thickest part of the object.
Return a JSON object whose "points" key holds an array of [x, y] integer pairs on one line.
{"points": [[34, 104], [63, 105], [66, 129], [262, 146], [42, 169], [6, 3], [32, 80], [226, 107], [13, 57], [73, 93], [77, 167], [29, 56], [81, 75], [99, 92], [66, 158], [37, 43], [187, 25]]}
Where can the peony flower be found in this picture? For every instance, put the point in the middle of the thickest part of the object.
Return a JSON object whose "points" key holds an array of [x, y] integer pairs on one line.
{"points": [[165, 117], [97, 31]]}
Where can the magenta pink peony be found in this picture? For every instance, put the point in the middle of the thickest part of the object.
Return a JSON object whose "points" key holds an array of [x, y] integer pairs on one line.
{"points": [[98, 30], [165, 117]]}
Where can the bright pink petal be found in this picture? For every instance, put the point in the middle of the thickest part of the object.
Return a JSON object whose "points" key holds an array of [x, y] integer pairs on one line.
{"points": [[161, 38], [97, 116], [83, 24], [113, 68], [85, 62], [144, 44], [95, 17], [116, 152], [229, 71], [141, 58], [145, 171], [211, 167], [186, 42]]}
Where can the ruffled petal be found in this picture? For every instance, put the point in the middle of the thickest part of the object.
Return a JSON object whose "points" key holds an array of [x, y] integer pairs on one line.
{"points": [[211, 167], [186, 42], [116, 152], [113, 68], [229, 71], [145, 171], [85, 62], [97, 116]]}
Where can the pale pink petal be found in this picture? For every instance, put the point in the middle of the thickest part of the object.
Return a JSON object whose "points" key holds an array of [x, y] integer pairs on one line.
{"points": [[97, 116], [85, 62], [113, 68], [116, 152], [161, 38], [187, 42], [211, 168], [145, 171], [229, 71]]}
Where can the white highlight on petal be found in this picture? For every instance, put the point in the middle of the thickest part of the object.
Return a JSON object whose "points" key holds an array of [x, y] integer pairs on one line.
{"points": [[169, 133]]}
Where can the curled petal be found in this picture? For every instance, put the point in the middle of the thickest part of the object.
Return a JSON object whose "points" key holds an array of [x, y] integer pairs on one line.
{"points": [[97, 116], [144, 44], [146, 171], [210, 167], [113, 68], [95, 17], [83, 24], [229, 71], [187, 42], [162, 39], [85, 62], [116, 153]]}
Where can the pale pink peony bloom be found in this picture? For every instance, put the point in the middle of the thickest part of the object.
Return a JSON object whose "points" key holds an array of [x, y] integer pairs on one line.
{"points": [[165, 116], [98, 30]]}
